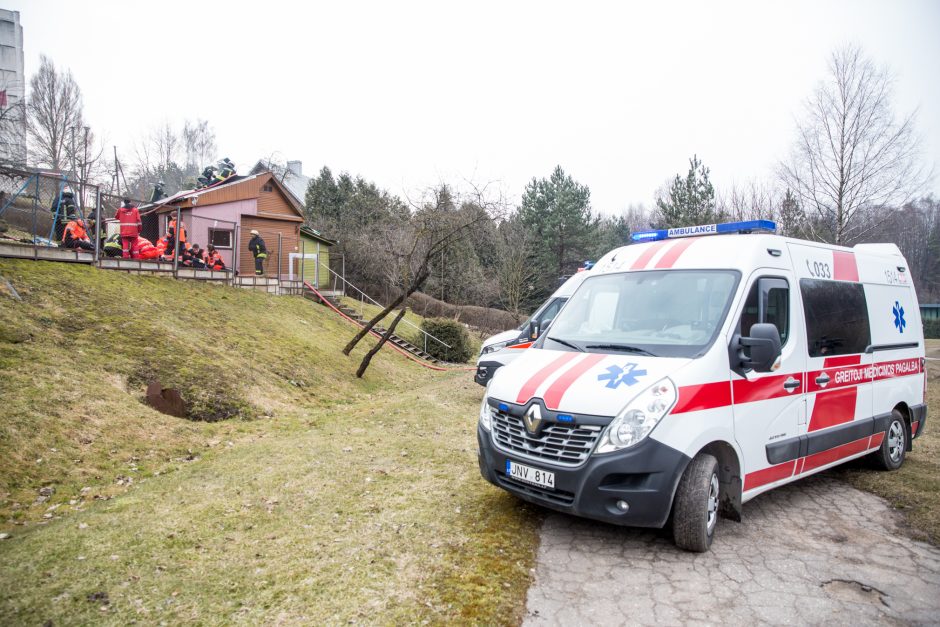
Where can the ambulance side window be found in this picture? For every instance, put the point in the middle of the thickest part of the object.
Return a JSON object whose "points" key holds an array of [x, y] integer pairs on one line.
{"points": [[836, 317], [776, 307]]}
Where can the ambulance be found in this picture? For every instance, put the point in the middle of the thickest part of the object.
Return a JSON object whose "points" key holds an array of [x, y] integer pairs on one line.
{"points": [[502, 348], [704, 366]]}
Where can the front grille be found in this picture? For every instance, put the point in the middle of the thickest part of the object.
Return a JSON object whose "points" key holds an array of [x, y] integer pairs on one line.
{"points": [[561, 444], [555, 496]]}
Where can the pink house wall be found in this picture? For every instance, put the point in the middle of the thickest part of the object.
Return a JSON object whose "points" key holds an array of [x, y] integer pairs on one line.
{"points": [[225, 216]]}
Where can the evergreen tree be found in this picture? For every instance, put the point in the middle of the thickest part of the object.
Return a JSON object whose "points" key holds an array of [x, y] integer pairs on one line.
{"points": [[790, 218], [690, 200], [557, 212]]}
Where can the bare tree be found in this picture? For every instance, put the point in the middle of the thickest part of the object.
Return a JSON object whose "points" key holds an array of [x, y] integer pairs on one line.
{"points": [[514, 271], [199, 144], [157, 158], [53, 110], [12, 125], [410, 246], [850, 152]]}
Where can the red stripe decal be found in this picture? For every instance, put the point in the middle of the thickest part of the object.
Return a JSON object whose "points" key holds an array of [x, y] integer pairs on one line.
{"points": [[647, 255], [523, 345], [833, 408], [705, 396], [876, 440], [557, 389], [844, 267], [672, 255], [530, 386], [800, 464], [768, 475], [842, 360], [763, 389], [835, 454]]}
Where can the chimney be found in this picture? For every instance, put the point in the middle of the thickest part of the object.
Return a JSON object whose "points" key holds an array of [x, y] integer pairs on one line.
{"points": [[296, 167]]}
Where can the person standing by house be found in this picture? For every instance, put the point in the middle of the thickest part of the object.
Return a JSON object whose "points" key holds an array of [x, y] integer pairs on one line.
{"points": [[259, 250], [129, 218]]}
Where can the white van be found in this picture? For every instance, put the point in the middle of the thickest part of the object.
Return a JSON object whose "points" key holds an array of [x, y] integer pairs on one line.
{"points": [[500, 349], [693, 373]]}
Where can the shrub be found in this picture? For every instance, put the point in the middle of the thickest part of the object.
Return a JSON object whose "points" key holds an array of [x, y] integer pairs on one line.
{"points": [[486, 319], [451, 332]]}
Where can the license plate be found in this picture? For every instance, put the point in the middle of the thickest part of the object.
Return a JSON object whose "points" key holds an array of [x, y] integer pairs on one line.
{"points": [[541, 478]]}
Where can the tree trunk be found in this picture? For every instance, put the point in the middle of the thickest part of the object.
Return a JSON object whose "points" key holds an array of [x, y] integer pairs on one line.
{"points": [[415, 286], [375, 349], [374, 321]]}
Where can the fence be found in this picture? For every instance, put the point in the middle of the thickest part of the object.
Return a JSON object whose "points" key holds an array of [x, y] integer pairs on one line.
{"points": [[36, 207]]}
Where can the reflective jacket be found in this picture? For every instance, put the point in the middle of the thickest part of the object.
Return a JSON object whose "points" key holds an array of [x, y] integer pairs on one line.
{"points": [[182, 233], [129, 218], [74, 230], [257, 247]]}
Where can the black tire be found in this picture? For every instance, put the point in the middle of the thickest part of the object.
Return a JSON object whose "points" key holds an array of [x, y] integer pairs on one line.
{"points": [[894, 446], [694, 515]]}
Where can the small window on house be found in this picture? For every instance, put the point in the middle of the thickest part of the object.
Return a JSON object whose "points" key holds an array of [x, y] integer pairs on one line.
{"points": [[267, 188], [220, 238]]}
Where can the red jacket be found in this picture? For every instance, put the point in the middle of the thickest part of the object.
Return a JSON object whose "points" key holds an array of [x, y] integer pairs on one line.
{"points": [[129, 218]]}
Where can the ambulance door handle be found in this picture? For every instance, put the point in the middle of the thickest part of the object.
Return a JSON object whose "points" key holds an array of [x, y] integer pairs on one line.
{"points": [[822, 380], [791, 384]]}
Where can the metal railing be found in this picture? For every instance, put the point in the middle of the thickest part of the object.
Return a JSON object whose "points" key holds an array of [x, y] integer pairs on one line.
{"points": [[342, 281]]}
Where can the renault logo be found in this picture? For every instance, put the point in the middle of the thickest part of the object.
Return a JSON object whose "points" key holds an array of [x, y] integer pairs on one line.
{"points": [[533, 419]]}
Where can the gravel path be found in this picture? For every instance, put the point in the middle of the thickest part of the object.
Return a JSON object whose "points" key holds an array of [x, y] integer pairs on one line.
{"points": [[814, 552]]}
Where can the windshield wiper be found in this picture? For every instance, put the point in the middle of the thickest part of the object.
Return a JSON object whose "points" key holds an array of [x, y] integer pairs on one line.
{"points": [[622, 347], [565, 343]]}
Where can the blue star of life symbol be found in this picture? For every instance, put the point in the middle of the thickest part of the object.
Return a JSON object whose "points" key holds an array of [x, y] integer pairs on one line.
{"points": [[899, 320], [628, 375]]}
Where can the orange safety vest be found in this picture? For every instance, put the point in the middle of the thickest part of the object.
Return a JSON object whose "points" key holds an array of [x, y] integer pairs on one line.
{"points": [[76, 230], [182, 230]]}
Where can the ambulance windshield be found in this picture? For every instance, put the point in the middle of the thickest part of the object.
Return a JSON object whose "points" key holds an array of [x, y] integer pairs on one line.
{"points": [[667, 313]]}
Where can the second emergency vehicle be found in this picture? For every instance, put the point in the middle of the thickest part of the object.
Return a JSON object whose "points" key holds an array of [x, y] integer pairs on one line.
{"points": [[693, 372]]}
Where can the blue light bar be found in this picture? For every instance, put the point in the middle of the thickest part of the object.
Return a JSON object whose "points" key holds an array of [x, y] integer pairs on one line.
{"points": [[749, 226]]}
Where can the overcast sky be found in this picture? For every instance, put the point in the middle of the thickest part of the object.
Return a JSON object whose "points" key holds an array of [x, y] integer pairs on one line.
{"points": [[412, 93]]}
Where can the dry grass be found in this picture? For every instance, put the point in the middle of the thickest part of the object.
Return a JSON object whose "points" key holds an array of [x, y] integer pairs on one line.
{"points": [[332, 500]]}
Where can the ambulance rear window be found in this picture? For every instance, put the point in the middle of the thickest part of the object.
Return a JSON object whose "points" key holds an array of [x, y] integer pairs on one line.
{"points": [[836, 317]]}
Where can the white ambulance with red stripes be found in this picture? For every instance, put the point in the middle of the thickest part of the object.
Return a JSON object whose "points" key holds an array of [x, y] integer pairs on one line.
{"points": [[703, 366], [502, 348]]}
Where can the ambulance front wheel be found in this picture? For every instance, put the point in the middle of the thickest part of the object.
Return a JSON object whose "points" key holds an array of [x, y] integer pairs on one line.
{"points": [[894, 445], [695, 508]]}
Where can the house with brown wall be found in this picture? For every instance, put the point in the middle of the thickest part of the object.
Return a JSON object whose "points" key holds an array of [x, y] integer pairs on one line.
{"points": [[225, 214]]}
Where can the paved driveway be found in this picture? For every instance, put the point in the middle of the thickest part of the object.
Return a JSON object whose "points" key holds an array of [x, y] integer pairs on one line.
{"points": [[815, 552]]}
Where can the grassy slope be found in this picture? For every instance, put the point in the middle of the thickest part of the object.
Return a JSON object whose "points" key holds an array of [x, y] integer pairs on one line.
{"points": [[328, 499]]}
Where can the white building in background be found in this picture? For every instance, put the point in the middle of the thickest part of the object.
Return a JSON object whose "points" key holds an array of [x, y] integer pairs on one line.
{"points": [[12, 89]]}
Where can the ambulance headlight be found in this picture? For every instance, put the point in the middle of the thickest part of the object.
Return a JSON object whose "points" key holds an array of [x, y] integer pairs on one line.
{"points": [[637, 419], [486, 412], [492, 348]]}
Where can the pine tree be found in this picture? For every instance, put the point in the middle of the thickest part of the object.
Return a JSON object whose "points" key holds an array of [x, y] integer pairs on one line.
{"points": [[557, 213], [690, 201]]}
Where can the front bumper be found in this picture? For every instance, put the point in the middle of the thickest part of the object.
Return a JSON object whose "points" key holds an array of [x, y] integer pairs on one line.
{"points": [[645, 476], [485, 371]]}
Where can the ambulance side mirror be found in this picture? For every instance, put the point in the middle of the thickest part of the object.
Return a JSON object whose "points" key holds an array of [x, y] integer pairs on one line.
{"points": [[536, 328], [760, 350]]}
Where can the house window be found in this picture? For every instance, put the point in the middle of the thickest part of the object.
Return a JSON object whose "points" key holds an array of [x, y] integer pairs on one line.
{"points": [[220, 238], [267, 188]]}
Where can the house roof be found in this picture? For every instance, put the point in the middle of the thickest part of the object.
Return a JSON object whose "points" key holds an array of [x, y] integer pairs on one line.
{"points": [[242, 188], [295, 183], [315, 234]]}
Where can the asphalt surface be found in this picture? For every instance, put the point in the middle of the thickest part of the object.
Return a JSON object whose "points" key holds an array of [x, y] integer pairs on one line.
{"points": [[811, 553]]}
